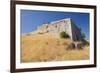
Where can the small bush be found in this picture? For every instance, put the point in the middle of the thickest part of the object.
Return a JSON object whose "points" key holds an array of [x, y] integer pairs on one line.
{"points": [[63, 34], [71, 46], [40, 32], [79, 46]]}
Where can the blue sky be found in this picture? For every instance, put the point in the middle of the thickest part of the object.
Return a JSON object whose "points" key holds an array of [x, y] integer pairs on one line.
{"points": [[30, 19]]}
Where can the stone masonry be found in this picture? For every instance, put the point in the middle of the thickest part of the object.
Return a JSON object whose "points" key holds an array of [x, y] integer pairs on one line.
{"points": [[66, 25]]}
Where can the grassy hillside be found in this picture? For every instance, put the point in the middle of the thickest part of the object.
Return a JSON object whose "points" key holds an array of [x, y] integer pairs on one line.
{"points": [[38, 47]]}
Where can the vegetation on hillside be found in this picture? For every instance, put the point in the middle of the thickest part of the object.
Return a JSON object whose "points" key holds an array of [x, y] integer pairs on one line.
{"points": [[63, 34], [49, 47]]}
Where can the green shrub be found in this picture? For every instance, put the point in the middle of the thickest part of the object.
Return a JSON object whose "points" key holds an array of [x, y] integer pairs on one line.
{"points": [[63, 34], [46, 26], [83, 35]]}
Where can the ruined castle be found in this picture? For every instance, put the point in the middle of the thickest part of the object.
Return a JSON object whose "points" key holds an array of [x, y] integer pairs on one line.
{"points": [[66, 25]]}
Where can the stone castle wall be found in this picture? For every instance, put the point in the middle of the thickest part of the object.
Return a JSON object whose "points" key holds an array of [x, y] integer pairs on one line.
{"points": [[62, 25]]}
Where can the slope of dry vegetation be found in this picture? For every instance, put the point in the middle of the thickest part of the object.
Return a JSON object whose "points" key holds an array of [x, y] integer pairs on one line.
{"points": [[38, 47]]}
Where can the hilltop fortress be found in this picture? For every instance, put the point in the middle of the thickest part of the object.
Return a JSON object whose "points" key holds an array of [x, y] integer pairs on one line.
{"points": [[66, 25]]}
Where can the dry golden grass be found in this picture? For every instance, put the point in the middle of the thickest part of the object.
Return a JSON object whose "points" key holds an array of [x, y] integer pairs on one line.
{"points": [[49, 47]]}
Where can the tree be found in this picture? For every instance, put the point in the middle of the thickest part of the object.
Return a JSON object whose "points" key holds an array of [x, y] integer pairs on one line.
{"points": [[83, 35]]}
